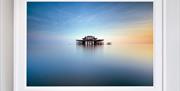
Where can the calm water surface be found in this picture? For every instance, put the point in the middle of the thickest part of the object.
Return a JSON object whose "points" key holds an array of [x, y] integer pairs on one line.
{"points": [[73, 65]]}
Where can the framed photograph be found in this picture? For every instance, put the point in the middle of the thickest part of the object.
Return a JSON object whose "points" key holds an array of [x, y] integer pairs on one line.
{"points": [[104, 45]]}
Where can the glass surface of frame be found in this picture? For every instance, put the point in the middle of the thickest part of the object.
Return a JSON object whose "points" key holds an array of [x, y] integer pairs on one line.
{"points": [[95, 45], [63, 48]]}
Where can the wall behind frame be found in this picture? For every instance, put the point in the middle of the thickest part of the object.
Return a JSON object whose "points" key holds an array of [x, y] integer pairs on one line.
{"points": [[6, 45], [172, 45], [172, 56]]}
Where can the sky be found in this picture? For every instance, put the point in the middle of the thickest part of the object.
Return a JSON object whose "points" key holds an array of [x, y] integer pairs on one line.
{"points": [[116, 22]]}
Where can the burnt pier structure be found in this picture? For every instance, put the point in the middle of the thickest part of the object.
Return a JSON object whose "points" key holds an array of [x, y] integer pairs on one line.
{"points": [[90, 40]]}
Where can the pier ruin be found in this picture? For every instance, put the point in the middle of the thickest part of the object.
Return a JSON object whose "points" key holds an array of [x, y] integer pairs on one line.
{"points": [[90, 40]]}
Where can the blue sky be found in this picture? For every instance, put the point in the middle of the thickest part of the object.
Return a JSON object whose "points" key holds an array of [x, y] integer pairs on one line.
{"points": [[52, 21]]}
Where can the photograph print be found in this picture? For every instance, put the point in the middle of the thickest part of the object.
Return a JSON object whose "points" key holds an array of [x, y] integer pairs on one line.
{"points": [[89, 44]]}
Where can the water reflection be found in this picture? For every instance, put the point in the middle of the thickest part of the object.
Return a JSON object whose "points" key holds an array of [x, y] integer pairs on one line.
{"points": [[79, 65], [91, 49]]}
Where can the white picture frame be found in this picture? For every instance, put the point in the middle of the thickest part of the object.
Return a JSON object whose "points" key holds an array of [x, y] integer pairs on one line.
{"points": [[20, 53], [171, 22]]}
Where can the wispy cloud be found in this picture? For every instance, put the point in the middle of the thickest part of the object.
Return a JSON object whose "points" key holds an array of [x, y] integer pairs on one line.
{"points": [[77, 19]]}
